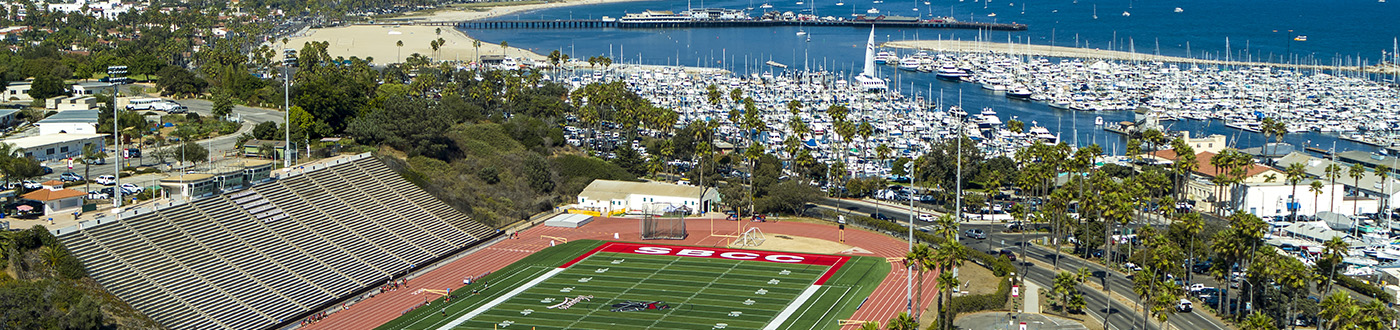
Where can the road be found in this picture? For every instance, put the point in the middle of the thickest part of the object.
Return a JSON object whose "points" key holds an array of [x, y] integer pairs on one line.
{"points": [[250, 117], [1120, 317]]}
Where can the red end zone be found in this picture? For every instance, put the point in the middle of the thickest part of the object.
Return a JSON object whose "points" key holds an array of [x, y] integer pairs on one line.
{"points": [[834, 262]]}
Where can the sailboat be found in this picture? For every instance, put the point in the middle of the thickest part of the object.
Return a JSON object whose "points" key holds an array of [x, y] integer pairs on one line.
{"points": [[867, 78], [1126, 14], [1178, 9], [765, 6], [1096, 11]]}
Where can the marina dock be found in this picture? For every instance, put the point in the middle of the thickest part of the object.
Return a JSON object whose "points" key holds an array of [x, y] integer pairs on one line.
{"points": [[960, 46]]}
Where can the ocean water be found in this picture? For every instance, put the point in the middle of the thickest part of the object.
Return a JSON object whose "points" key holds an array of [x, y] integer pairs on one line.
{"points": [[1344, 32]]}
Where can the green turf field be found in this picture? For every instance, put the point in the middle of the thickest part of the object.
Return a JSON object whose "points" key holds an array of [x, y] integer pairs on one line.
{"points": [[704, 293]]}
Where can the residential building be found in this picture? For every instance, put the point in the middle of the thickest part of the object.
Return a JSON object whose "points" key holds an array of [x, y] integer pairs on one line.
{"points": [[56, 199], [1201, 187], [69, 122], [18, 91], [1214, 143], [56, 146], [610, 197], [7, 117], [90, 88], [65, 103]]}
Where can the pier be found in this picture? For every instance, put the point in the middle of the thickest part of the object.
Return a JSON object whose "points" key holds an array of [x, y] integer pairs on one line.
{"points": [[616, 23]]}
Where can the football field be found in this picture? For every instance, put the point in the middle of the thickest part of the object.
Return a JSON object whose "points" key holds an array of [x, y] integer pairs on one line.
{"points": [[613, 285]]}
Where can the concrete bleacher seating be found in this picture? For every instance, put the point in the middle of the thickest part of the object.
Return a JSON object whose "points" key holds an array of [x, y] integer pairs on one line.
{"points": [[270, 254]]}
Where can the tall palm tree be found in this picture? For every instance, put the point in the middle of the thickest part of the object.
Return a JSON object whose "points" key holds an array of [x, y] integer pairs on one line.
{"points": [[872, 325], [1383, 172], [476, 44], [1295, 174], [400, 44], [1334, 250], [1356, 172], [915, 260], [1316, 188], [1333, 172]]}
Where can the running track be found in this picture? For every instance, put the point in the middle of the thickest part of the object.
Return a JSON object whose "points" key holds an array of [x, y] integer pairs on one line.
{"points": [[887, 300]]}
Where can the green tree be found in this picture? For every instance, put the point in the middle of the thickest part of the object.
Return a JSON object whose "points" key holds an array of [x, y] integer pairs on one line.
{"points": [[903, 321], [90, 155], [1383, 172], [1333, 172], [1356, 172], [46, 86], [1065, 288], [223, 104], [1258, 321], [1294, 174]]}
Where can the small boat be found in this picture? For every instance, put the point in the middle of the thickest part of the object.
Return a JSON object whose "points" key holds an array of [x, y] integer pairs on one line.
{"points": [[992, 15], [1019, 92], [799, 2], [873, 11], [1178, 9], [765, 6], [840, 3], [1098, 121], [776, 64], [1126, 14], [951, 73], [801, 33]]}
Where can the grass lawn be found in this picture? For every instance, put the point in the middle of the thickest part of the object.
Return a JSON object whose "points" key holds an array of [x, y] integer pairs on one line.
{"points": [[703, 293]]}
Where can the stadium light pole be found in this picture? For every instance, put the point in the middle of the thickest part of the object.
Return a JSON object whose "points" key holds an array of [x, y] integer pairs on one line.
{"points": [[116, 145], [287, 120]]}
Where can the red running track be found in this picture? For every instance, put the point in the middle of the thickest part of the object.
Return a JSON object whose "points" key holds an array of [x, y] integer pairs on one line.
{"points": [[884, 303]]}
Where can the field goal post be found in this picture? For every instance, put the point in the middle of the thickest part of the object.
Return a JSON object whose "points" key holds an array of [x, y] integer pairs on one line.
{"points": [[654, 227], [751, 238]]}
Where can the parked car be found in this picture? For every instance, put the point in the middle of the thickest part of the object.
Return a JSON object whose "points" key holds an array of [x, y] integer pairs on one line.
{"points": [[28, 184], [975, 233], [70, 177], [106, 180], [48, 170], [98, 194]]}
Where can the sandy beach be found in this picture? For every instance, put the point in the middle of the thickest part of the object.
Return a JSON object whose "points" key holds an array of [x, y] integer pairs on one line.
{"points": [[379, 41], [959, 46]]}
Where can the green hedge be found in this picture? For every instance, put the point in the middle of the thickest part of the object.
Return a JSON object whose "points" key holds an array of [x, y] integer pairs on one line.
{"points": [[1363, 288], [983, 302], [999, 265]]}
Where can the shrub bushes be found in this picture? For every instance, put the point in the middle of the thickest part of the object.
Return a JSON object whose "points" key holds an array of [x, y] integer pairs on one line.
{"points": [[1365, 289], [982, 302]]}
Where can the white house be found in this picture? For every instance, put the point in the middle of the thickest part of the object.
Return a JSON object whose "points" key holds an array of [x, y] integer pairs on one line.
{"points": [[612, 197], [1371, 193], [89, 88], [1277, 198], [69, 122], [56, 199], [18, 91], [56, 146]]}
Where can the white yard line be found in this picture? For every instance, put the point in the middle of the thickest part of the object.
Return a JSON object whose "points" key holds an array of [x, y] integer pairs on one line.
{"points": [[843, 301], [697, 293], [501, 299], [634, 286], [792, 308]]}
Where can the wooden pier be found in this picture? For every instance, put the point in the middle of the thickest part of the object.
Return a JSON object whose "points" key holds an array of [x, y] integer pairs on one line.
{"points": [[615, 23]]}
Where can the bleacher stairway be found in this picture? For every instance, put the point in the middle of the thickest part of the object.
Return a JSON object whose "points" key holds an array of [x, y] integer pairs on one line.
{"points": [[260, 257]]}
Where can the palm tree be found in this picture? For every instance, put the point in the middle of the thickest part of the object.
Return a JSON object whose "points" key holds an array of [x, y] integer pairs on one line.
{"points": [[1339, 310], [916, 260], [434, 45], [1333, 172], [1316, 188], [400, 44], [1066, 286], [1334, 250], [1356, 172], [1258, 321], [504, 46], [1383, 172], [90, 154], [1295, 173], [872, 325], [477, 53], [902, 322]]}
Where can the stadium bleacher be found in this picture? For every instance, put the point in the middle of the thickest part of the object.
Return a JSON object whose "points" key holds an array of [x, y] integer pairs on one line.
{"points": [[264, 256]]}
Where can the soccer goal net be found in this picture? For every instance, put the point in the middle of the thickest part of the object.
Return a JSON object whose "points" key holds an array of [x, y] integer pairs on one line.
{"points": [[654, 227]]}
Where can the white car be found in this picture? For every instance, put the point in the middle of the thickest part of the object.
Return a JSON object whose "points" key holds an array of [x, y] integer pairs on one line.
{"points": [[131, 189], [32, 185], [925, 217], [106, 180]]}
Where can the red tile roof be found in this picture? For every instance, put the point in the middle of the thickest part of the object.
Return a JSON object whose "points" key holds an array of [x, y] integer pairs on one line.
{"points": [[45, 195]]}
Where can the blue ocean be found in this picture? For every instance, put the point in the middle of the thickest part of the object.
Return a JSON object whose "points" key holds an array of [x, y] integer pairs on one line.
{"points": [[1342, 32]]}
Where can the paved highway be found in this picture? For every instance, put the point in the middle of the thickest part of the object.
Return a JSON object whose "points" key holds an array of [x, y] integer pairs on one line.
{"points": [[1121, 316]]}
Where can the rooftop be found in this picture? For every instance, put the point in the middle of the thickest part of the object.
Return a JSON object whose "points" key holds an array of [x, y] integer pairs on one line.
{"points": [[43, 140], [187, 178], [610, 189], [71, 116], [45, 195]]}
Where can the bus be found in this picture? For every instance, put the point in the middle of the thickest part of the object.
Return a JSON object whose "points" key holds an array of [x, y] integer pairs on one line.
{"points": [[142, 103]]}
